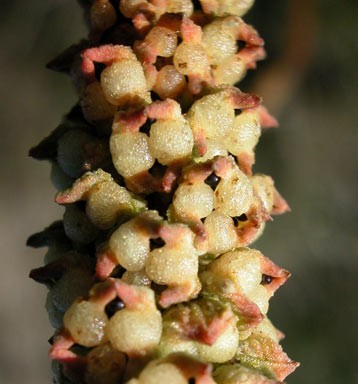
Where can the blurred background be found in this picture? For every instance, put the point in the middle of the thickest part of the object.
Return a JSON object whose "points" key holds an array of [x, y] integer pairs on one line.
{"points": [[309, 82]]}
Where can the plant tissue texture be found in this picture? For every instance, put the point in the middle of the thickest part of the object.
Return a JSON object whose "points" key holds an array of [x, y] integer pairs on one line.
{"points": [[151, 274]]}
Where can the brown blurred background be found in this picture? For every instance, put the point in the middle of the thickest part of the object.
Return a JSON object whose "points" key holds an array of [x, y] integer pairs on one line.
{"points": [[309, 81]]}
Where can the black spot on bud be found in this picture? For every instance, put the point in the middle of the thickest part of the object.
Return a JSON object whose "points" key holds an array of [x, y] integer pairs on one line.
{"points": [[241, 44], [237, 219], [266, 279], [212, 181], [156, 243], [145, 128], [154, 96], [114, 306]]}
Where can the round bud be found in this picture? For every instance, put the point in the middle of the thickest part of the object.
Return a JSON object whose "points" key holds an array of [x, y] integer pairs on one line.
{"points": [[164, 40], [214, 147], [130, 246], [124, 83], [130, 153], [136, 278], [191, 59], [230, 7], [158, 372], [233, 195], [77, 225], [169, 83], [138, 328], [221, 233], [75, 282], [105, 202], [135, 331], [195, 200], [171, 140], [264, 187], [103, 15], [229, 71], [224, 347], [105, 365], [59, 179], [219, 40], [86, 322], [213, 115], [71, 151], [95, 106], [244, 134], [174, 264]]}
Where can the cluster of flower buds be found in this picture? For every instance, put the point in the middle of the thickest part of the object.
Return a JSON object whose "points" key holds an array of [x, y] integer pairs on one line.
{"points": [[150, 277]]}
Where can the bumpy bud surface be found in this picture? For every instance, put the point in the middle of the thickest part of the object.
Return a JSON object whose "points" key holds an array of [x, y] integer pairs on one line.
{"points": [[105, 365], [86, 321], [137, 328], [150, 277]]}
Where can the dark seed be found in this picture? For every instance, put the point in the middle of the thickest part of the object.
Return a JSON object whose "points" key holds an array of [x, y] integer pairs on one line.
{"points": [[154, 96], [156, 243], [191, 380], [242, 217], [241, 44], [146, 127], [118, 272], [114, 306], [238, 112], [266, 279], [212, 181], [237, 219]]}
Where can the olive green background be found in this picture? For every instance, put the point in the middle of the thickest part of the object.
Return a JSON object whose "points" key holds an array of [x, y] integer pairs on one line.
{"points": [[309, 81]]}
